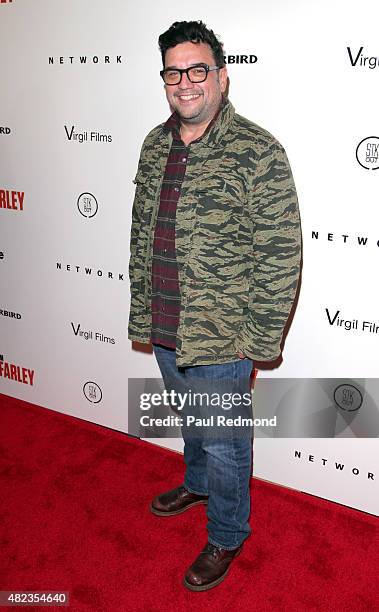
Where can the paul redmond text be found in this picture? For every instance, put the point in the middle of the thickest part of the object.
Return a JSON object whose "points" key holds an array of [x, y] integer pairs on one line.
{"points": [[211, 421]]}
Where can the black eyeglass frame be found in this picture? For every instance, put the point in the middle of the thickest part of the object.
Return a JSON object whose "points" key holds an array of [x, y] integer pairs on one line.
{"points": [[186, 70]]}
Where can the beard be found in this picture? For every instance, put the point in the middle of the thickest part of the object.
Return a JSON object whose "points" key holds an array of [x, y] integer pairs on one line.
{"points": [[196, 112]]}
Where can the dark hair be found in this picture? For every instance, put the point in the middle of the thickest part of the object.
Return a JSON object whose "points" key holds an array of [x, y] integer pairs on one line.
{"points": [[191, 31]]}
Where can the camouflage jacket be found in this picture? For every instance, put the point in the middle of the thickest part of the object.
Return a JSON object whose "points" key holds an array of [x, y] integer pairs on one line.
{"points": [[238, 242]]}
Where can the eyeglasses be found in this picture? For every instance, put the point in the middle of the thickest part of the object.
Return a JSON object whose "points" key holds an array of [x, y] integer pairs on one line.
{"points": [[196, 74]]}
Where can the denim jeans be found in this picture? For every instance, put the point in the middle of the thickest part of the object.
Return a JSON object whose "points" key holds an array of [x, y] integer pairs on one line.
{"points": [[218, 463]]}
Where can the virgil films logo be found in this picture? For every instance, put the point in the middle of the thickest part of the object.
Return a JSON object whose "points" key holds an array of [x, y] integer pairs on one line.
{"points": [[336, 318], [81, 136], [89, 334], [358, 58], [367, 153], [92, 392], [87, 205]]}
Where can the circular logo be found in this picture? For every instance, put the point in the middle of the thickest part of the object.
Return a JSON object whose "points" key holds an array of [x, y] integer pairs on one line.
{"points": [[348, 397], [87, 205], [92, 392], [367, 153]]}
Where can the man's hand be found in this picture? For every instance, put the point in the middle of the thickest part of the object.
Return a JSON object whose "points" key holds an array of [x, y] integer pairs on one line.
{"points": [[241, 355]]}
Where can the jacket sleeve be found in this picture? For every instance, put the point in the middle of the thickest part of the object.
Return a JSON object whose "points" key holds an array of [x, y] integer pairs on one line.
{"points": [[138, 203], [135, 228], [276, 256], [137, 312]]}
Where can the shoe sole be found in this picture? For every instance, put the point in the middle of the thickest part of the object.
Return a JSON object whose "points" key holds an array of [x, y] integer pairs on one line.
{"points": [[172, 513], [211, 585]]}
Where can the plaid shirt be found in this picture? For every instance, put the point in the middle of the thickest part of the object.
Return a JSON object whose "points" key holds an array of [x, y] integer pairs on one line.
{"points": [[165, 282]]}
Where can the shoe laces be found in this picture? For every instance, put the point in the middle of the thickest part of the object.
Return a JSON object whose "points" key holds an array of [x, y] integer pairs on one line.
{"points": [[212, 549]]}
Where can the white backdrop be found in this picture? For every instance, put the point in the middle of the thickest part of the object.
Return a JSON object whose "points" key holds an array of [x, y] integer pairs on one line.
{"points": [[80, 88]]}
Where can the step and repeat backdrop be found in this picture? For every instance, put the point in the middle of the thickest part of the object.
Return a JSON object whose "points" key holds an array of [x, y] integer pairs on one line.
{"points": [[80, 89]]}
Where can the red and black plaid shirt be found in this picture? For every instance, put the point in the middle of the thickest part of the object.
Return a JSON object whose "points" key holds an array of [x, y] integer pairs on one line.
{"points": [[165, 281]]}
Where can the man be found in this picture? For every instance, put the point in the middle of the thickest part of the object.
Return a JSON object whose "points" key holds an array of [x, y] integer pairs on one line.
{"points": [[214, 266]]}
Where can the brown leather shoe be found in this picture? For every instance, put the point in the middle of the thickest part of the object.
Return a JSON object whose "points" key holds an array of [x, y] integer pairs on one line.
{"points": [[210, 568], [176, 501]]}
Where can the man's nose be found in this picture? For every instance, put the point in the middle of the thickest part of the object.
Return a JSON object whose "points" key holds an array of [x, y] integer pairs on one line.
{"points": [[185, 82]]}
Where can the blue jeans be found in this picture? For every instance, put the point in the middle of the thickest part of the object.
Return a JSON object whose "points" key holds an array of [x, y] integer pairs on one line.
{"points": [[218, 463]]}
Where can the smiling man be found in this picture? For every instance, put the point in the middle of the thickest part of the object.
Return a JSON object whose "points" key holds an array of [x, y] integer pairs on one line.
{"points": [[195, 95], [214, 267]]}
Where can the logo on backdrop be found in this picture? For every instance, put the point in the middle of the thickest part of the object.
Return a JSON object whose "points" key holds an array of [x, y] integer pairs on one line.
{"points": [[87, 205], [345, 239], [5, 130], [336, 318], [358, 59], [88, 271], [327, 465], [10, 314], [85, 136], [85, 60], [90, 334], [13, 200], [92, 392], [348, 397], [367, 153], [2, 255], [240, 59], [15, 372]]}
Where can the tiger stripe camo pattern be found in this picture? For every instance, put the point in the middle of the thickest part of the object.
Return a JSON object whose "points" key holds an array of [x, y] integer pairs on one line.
{"points": [[238, 242]]}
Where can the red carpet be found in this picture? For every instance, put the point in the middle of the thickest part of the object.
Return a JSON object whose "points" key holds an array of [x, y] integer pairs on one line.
{"points": [[74, 516]]}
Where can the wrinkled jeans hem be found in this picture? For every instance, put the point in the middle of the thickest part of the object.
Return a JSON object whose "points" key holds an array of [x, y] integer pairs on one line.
{"points": [[193, 490], [212, 541]]}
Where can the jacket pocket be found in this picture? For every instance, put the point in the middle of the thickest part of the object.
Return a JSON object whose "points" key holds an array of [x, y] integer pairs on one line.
{"points": [[141, 182]]}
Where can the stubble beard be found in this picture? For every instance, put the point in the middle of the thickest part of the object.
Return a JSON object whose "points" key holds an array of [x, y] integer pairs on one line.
{"points": [[201, 115]]}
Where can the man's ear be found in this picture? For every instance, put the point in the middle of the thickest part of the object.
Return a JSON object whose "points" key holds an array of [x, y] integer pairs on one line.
{"points": [[223, 77]]}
